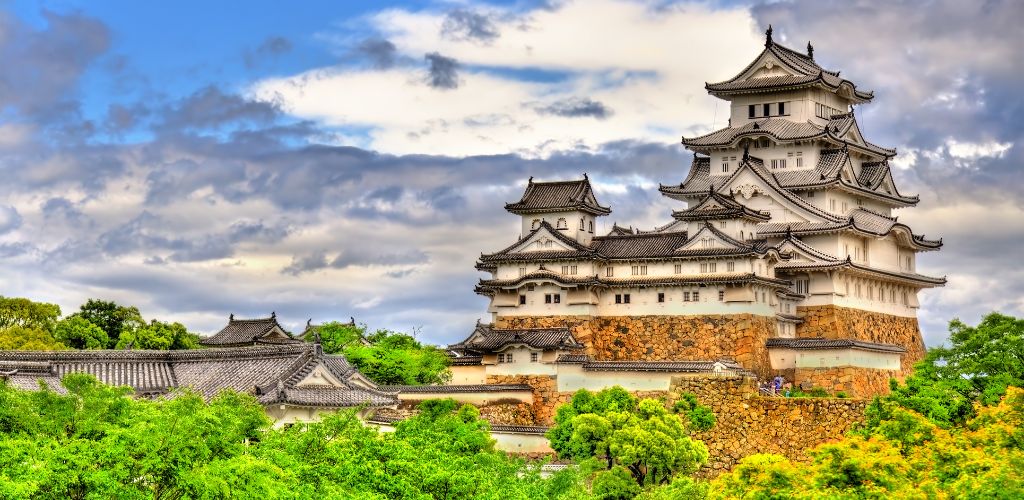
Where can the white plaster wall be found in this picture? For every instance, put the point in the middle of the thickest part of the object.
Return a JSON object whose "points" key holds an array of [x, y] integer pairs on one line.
{"points": [[847, 357], [521, 443], [572, 378], [468, 375], [572, 220], [521, 364]]}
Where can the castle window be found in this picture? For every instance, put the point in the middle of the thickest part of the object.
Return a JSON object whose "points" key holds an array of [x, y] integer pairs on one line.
{"points": [[570, 269], [722, 224], [696, 296], [591, 224], [609, 271], [810, 194], [730, 266], [721, 295], [767, 109], [522, 300], [845, 207], [764, 142], [780, 163], [534, 357], [561, 224], [618, 298], [661, 297], [639, 270], [832, 205], [522, 271], [782, 108], [905, 300], [725, 167], [582, 227], [508, 358], [552, 298], [892, 295], [678, 268], [625, 298], [686, 296], [751, 111]]}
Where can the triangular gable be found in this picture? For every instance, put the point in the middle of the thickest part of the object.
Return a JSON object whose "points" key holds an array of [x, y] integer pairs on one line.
{"points": [[747, 183], [707, 238], [803, 254], [767, 65], [320, 375], [543, 239]]}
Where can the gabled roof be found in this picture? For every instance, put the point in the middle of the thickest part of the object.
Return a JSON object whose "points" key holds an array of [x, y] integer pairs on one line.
{"points": [[271, 372], [804, 72], [240, 332], [638, 245], [485, 338], [511, 253], [558, 196], [861, 220], [665, 366], [716, 206]]}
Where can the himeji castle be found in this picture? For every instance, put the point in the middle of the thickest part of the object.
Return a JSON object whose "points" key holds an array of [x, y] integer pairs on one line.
{"points": [[783, 257]]}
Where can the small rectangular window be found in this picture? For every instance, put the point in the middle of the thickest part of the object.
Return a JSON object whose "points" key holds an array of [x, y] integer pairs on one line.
{"points": [[767, 109], [501, 358], [547, 298], [625, 298], [730, 266], [522, 271], [686, 296], [609, 271], [713, 267], [725, 167], [533, 357], [661, 297], [782, 108], [558, 298], [565, 269], [618, 298], [696, 296], [522, 300], [703, 267], [678, 268], [751, 111], [721, 295], [508, 358]]}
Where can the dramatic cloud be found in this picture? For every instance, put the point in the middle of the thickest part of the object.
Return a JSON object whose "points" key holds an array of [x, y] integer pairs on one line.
{"points": [[576, 107], [443, 71], [10, 219], [379, 51], [461, 24]]}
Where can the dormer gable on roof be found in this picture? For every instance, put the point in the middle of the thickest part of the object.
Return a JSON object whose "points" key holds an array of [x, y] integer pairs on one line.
{"points": [[558, 196], [717, 206], [487, 339], [707, 237]]}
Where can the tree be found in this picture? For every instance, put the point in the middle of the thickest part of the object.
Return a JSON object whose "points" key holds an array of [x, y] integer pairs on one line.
{"points": [[159, 336], [28, 339], [978, 366], [77, 332], [111, 317], [28, 314], [641, 437], [386, 357]]}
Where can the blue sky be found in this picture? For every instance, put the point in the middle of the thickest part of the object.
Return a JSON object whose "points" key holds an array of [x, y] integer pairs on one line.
{"points": [[334, 159]]}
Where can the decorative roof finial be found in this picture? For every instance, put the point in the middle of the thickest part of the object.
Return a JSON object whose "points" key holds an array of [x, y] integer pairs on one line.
{"points": [[530, 181], [231, 317], [746, 152], [352, 319], [309, 322], [768, 37], [585, 176], [273, 315], [789, 232], [810, 50]]}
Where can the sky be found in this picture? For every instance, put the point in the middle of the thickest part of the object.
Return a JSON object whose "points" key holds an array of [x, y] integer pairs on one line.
{"points": [[326, 160]]}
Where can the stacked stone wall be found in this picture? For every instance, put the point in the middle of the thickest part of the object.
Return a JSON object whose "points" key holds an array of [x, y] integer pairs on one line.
{"points": [[747, 423], [495, 413], [740, 337], [854, 381], [545, 393], [835, 322]]}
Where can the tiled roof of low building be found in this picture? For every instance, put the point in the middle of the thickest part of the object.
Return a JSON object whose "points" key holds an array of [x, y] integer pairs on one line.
{"points": [[240, 332], [260, 370], [816, 343], [663, 366], [717, 206], [632, 246], [558, 196], [457, 388], [466, 360], [486, 338], [573, 358]]}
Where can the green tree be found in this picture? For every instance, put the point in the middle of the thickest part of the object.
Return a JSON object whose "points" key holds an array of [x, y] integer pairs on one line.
{"points": [[111, 317], [386, 357], [159, 336], [25, 313], [28, 339], [78, 333]]}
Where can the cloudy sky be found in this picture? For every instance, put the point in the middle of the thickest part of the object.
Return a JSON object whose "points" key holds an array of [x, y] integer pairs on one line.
{"points": [[336, 159]]}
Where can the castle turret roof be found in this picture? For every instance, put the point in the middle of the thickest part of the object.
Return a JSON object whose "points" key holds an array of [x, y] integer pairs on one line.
{"points": [[558, 196]]}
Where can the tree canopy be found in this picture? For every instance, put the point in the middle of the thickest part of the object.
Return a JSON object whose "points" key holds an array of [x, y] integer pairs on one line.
{"points": [[112, 317], [386, 357]]}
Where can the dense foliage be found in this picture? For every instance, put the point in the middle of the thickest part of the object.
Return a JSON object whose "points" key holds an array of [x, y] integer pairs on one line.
{"points": [[386, 357], [639, 443], [28, 325], [95, 442]]}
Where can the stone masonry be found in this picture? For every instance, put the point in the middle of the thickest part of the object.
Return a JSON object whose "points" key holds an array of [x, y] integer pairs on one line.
{"points": [[833, 322], [740, 337]]}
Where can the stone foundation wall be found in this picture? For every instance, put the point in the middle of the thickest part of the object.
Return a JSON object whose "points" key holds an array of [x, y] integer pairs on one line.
{"points": [[740, 337], [498, 413], [855, 382], [545, 394], [748, 423], [843, 322]]}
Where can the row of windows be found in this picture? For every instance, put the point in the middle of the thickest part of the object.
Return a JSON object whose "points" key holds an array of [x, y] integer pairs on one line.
{"points": [[641, 269], [791, 159], [561, 223], [508, 358], [826, 112], [860, 291], [766, 109]]}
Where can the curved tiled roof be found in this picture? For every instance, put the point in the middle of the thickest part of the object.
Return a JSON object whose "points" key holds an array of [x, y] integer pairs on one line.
{"points": [[640, 245], [575, 250], [263, 370], [806, 73], [558, 196], [784, 130], [661, 366], [457, 388], [815, 343], [486, 338], [247, 332], [727, 208]]}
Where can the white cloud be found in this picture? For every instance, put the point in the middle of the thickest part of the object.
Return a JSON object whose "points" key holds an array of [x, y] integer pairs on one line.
{"points": [[976, 150], [646, 65]]}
